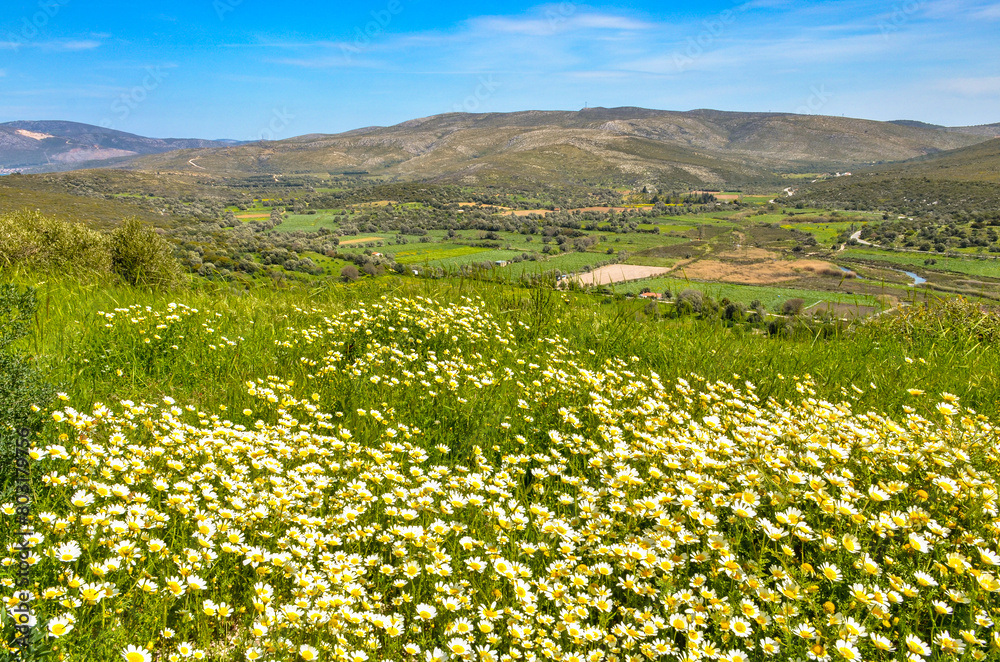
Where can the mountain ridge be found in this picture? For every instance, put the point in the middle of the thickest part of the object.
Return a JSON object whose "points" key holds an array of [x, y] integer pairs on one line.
{"points": [[608, 146], [45, 145]]}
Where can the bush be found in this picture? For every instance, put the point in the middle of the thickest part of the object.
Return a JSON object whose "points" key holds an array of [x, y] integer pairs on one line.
{"points": [[792, 306], [734, 311], [349, 274], [31, 238], [141, 257], [691, 300], [21, 383]]}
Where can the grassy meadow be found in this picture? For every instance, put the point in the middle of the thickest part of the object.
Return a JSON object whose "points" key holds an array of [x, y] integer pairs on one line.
{"points": [[416, 469]]}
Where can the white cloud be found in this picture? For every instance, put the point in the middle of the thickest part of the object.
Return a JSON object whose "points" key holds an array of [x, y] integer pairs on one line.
{"points": [[729, 54], [973, 87], [70, 45], [962, 9], [348, 56], [552, 21], [77, 45], [849, 46], [762, 4], [987, 13]]}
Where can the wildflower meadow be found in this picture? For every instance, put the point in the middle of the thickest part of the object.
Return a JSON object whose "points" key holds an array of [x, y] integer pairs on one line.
{"points": [[409, 478]]}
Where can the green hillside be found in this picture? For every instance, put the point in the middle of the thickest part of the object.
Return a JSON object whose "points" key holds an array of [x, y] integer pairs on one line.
{"points": [[627, 146]]}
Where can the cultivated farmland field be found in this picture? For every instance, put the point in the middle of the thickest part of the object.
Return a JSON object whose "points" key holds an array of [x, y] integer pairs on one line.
{"points": [[617, 273]]}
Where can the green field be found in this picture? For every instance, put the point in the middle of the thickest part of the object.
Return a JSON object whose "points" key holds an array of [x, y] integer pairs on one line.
{"points": [[988, 267], [824, 232], [432, 253], [770, 297], [309, 222], [483, 256]]}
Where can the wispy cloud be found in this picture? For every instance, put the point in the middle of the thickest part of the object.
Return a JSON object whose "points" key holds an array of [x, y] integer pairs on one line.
{"points": [[57, 45], [555, 21], [763, 4], [335, 60], [257, 80], [973, 87], [928, 59], [963, 9], [78, 45], [80, 92], [987, 13], [541, 38]]}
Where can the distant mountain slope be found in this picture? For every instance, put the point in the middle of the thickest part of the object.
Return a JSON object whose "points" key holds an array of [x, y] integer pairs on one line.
{"points": [[596, 145], [917, 124], [984, 130], [57, 145], [976, 163], [954, 182]]}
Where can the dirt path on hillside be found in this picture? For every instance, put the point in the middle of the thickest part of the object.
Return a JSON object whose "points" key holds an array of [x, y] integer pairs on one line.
{"points": [[359, 240]]}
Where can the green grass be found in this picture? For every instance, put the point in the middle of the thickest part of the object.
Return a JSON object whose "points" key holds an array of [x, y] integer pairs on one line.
{"points": [[770, 297], [433, 253], [824, 232], [69, 336], [988, 267], [488, 255], [652, 261], [714, 218], [291, 390], [308, 222], [331, 266], [571, 262]]}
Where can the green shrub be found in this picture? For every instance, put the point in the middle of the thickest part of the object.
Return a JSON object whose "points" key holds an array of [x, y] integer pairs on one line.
{"points": [[43, 242], [141, 257], [690, 301], [21, 383], [792, 306], [349, 273]]}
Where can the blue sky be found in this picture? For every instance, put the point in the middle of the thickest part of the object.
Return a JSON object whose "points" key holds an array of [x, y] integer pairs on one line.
{"points": [[248, 69]]}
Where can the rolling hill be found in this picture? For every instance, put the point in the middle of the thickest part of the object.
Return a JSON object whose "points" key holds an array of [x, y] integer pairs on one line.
{"points": [[605, 146], [595, 146], [56, 145], [964, 179], [976, 163]]}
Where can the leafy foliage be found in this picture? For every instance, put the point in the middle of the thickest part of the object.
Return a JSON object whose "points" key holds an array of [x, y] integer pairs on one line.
{"points": [[44, 242], [21, 383], [142, 257]]}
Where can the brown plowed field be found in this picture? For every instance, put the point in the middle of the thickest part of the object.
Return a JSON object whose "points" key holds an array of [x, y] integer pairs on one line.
{"points": [[619, 273], [359, 240], [761, 273]]}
